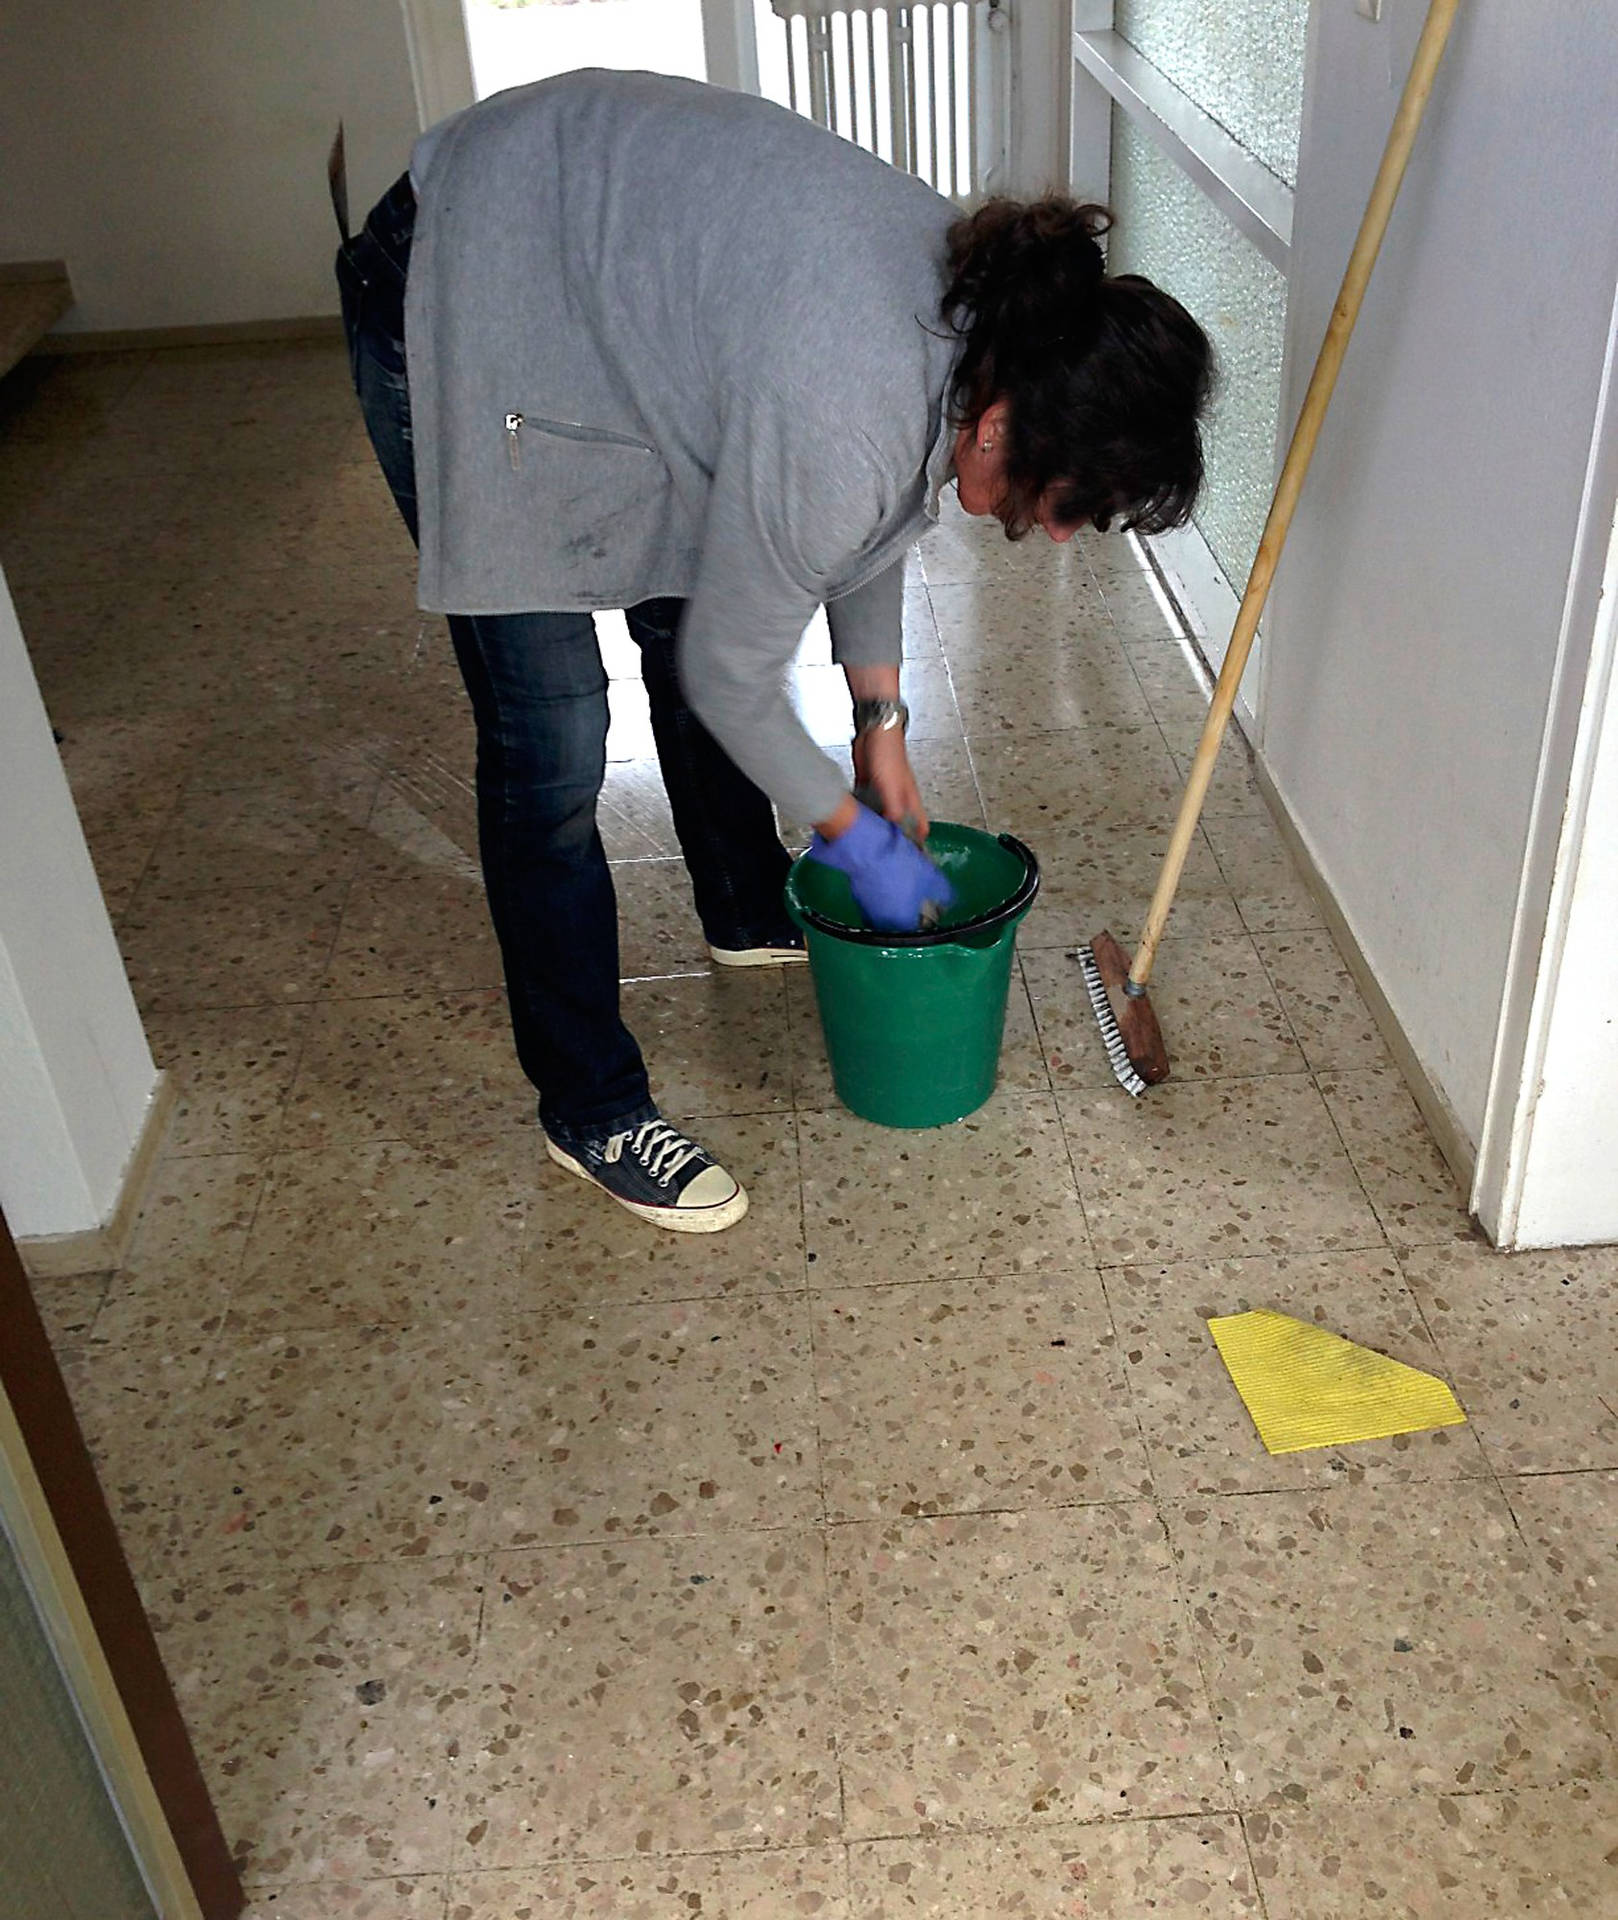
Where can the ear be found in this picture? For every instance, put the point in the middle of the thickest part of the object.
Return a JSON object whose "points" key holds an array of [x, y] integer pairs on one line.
{"points": [[993, 421]]}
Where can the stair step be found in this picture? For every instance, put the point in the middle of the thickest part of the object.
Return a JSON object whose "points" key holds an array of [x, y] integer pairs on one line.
{"points": [[34, 294]]}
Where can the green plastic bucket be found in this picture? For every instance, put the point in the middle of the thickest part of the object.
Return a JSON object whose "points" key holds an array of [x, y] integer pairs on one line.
{"points": [[913, 1021]]}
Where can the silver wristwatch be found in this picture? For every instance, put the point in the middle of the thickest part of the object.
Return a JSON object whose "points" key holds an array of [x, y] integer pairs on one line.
{"points": [[880, 716]]}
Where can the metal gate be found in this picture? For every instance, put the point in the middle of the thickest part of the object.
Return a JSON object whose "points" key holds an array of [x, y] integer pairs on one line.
{"points": [[926, 86]]}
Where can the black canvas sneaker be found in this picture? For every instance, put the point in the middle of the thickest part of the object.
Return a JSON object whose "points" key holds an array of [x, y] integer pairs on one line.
{"points": [[785, 950], [655, 1171]]}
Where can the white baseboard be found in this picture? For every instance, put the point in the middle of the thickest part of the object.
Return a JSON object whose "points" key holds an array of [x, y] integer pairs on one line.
{"points": [[57, 1256], [227, 333], [1453, 1142]]}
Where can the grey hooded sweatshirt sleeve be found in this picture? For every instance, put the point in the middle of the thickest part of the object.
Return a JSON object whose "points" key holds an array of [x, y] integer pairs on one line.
{"points": [[665, 339]]}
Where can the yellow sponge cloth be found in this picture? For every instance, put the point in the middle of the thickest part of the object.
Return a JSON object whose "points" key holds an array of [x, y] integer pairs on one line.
{"points": [[1305, 1387]]}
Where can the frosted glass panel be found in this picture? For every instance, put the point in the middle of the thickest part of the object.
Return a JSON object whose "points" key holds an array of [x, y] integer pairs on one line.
{"points": [[63, 1855], [1240, 61], [1168, 231]]}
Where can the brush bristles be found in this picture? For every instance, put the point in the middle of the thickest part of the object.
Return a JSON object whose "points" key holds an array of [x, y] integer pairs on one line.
{"points": [[1111, 1033]]}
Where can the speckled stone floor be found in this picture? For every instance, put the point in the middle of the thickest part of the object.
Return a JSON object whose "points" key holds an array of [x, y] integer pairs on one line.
{"points": [[903, 1551]]}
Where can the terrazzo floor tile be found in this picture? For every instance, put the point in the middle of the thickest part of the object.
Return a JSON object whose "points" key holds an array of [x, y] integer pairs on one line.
{"points": [[1529, 1338], [339, 1445], [431, 1069], [964, 551], [1456, 1857], [131, 1403], [1048, 600], [422, 835], [973, 1394], [1077, 680], [1570, 1521], [308, 734], [1415, 1194], [274, 834], [773, 1884], [1333, 1024], [633, 813], [714, 1042], [1102, 877], [1233, 793], [691, 1417], [948, 780], [431, 935], [944, 773], [121, 845], [232, 1070], [325, 1709], [410, 1897], [88, 522], [658, 929], [140, 759], [1002, 1670], [177, 1279], [1044, 785], [1361, 1643], [1136, 604], [652, 1725], [54, 399], [920, 629], [821, 699], [1020, 1068], [308, 813], [585, 1249], [1177, 692], [1219, 1014], [991, 1194], [235, 947], [1268, 888], [67, 1306], [251, 523], [1199, 1435], [650, 1696], [356, 520], [1181, 1869], [385, 1234], [1231, 1167]]}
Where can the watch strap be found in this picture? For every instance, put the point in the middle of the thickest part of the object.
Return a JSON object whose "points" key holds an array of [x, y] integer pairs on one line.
{"points": [[880, 716]]}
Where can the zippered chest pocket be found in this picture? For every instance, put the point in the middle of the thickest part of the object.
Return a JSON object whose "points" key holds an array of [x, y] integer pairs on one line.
{"points": [[518, 425]]}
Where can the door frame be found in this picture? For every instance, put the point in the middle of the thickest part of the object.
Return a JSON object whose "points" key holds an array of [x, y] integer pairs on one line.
{"points": [[55, 1514], [441, 58]]}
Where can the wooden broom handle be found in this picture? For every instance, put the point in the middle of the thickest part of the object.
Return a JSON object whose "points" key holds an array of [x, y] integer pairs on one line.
{"points": [[1401, 138]]}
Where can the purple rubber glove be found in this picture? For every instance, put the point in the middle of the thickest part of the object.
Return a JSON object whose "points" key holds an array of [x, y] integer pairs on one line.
{"points": [[894, 884]]}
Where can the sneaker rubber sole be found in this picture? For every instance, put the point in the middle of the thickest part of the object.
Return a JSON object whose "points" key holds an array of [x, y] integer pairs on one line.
{"points": [[757, 956], [711, 1219]]}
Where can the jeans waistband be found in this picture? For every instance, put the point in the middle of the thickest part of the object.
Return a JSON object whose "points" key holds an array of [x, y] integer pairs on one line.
{"points": [[392, 221]]}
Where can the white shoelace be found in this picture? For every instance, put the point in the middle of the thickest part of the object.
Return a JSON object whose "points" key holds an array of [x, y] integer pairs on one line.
{"points": [[658, 1148]]}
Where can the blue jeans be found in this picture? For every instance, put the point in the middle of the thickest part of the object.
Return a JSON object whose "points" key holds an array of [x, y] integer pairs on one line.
{"points": [[539, 698]]}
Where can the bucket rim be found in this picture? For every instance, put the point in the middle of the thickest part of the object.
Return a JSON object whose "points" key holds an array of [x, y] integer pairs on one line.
{"points": [[1009, 909]]}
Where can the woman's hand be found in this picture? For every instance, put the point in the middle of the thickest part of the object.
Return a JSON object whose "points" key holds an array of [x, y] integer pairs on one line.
{"points": [[882, 772]]}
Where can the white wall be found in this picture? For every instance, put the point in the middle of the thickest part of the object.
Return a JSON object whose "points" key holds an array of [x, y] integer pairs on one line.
{"points": [[76, 1075], [1413, 632], [174, 155]]}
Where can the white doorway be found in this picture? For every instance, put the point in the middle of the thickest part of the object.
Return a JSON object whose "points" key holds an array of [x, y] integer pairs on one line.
{"points": [[512, 42]]}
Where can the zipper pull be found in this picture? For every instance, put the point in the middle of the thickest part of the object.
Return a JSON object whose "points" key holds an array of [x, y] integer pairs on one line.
{"points": [[513, 444]]}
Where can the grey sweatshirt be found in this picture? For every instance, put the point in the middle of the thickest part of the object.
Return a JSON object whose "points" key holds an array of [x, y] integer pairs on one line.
{"points": [[666, 339]]}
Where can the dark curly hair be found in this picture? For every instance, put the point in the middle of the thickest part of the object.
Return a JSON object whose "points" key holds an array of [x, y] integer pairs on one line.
{"points": [[1105, 379]]}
